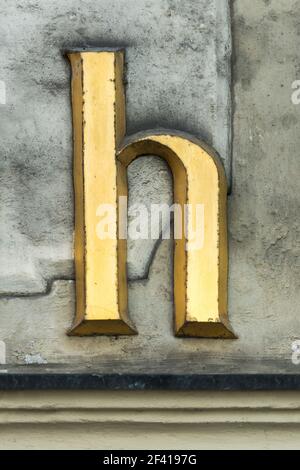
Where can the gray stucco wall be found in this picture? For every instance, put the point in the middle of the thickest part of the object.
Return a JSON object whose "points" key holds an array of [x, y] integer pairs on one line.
{"points": [[177, 40], [178, 76]]}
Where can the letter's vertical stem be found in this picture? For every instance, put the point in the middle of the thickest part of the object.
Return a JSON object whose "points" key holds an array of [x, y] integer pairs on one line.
{"points": [[99, 126]]}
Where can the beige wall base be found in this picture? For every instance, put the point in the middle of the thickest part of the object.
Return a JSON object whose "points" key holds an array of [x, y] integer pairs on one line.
{"points": [[149, 420]]}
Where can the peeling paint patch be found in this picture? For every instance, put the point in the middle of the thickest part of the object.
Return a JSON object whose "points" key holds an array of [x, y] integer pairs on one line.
{"points": [[34, 359]]}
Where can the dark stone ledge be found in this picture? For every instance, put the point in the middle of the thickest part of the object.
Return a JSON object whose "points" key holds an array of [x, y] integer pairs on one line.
{"points": [[96, 381]]}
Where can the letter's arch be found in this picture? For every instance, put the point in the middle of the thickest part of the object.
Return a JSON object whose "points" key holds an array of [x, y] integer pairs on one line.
{"points": [[101, 158]]}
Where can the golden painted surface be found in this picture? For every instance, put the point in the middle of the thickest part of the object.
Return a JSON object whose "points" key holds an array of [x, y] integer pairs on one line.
{"points": [[100, 162], [95, 77]]}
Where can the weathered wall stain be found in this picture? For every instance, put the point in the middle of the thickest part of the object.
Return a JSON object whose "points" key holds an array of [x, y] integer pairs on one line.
{"points": [[178, 75], [263, 227]]}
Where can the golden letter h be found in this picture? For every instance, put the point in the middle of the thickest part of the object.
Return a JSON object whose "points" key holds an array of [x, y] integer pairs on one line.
{"points": [[101, 157]]}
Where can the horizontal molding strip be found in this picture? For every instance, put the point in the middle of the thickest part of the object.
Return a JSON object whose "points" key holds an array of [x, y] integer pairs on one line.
{"points": [[97, 381], [181, 417]]}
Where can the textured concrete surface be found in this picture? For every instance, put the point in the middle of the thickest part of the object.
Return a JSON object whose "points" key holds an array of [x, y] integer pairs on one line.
{"points": [[178, 76], [263, 219]]}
